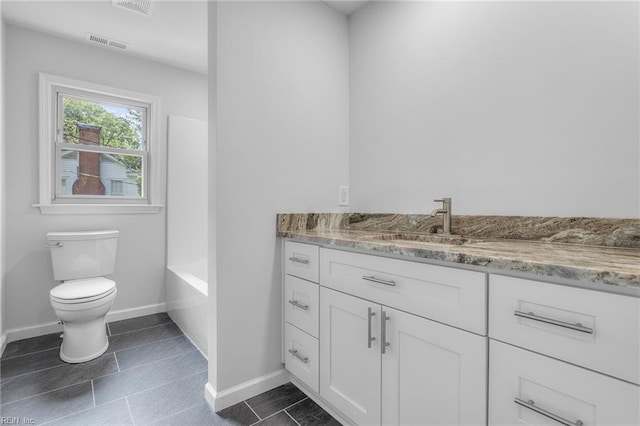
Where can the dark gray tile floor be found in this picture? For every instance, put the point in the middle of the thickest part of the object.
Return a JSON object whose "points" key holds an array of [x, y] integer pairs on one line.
{"points": [[151, 374]]}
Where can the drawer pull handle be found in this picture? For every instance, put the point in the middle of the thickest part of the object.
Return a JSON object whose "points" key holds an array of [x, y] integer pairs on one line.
{"points": [[369, 337], [295, 353], [577, 327], [379, 281], [531, 406], [299, 305], [298, 260], [383, 332]]}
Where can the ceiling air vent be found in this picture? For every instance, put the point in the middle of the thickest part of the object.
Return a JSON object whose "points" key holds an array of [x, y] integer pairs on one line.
{"points": [[143, 7], [105, 41]]}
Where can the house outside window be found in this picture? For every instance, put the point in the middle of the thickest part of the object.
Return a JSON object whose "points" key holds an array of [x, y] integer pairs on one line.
{"points": [[97, 144], [117, 188]]}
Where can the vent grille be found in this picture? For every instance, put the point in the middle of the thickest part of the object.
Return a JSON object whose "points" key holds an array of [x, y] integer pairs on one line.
{"points": [[143, 7], [105, 41]]}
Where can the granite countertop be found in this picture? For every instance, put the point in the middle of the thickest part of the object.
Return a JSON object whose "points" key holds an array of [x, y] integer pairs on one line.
{"points": [[614, 264]]}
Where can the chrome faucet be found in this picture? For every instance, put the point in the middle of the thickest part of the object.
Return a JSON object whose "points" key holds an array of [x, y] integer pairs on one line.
{"points": [[445, 211]]}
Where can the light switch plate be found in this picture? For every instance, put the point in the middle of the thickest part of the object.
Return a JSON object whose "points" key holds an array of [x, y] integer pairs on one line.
{"points": [[343, 195]]}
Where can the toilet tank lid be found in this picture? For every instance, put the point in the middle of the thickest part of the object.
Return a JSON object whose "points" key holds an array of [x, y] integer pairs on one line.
{"points": [[82, 235], [83, 288]]}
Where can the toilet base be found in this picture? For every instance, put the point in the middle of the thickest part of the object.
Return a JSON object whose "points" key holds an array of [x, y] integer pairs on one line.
{"points": [[84, 341]]}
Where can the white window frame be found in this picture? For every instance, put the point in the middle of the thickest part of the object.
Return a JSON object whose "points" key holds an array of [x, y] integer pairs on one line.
{"points": [[153, 200]]}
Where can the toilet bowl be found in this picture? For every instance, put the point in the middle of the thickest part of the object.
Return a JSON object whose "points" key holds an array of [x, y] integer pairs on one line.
{"points": [[82, 306], [82, 301]]}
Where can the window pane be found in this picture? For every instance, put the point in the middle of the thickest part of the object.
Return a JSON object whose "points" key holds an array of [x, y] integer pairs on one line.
{"points": [[93, 122], [92, 173]]}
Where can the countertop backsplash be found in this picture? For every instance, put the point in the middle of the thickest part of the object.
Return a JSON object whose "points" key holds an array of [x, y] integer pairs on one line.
{"points": [[569, 230]]}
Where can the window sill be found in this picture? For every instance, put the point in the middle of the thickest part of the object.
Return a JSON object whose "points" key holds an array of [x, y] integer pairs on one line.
{"points": [[99, 208]]}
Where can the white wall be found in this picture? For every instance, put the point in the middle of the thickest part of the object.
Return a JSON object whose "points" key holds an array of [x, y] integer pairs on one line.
{"points": [[2, 182], [140, 265], [187, 191], [212, 252], [517, 108], [282, 145]]}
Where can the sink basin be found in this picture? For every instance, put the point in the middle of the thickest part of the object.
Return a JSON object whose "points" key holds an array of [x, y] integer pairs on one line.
{"points": [[421, 238]]}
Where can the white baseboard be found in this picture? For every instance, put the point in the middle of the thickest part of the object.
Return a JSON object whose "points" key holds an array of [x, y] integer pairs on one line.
{"points": [[33, 331], [226, 398], [54, 327], [138, 311]]}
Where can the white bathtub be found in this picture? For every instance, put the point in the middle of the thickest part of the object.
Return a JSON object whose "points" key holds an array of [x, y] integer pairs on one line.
{"points": [[187, 300]]}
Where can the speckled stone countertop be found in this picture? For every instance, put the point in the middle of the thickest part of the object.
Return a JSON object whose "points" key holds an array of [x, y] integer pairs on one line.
{"points": [[604, 252]]}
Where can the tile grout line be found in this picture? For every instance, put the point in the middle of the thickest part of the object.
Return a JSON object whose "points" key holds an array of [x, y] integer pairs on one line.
{"points": [[117, 365], [142, 365], [29, 353], [284, 409], [145, 344], [291, 417], [65, 416], [139, 329], [126, 399], [178, 412], [42, 393], [61, 365], [31, 372], [157, 386], [93, 394], [247, 404]]}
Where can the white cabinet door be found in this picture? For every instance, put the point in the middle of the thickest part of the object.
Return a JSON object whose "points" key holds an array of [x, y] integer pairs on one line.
{"points": [[349, 368], [530, 389], [432, 374]]}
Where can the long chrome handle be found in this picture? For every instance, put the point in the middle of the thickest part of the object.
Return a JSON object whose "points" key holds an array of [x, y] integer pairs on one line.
{"points": [[531, 406], [295, 353], [369, 337], [299, 305], [378, 280], [383, 332], [54, 245], [577, 327], [298, 260]]}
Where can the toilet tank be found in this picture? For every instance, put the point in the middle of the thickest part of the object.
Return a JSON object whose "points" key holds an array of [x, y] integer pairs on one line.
{"points": [[85, 254]]}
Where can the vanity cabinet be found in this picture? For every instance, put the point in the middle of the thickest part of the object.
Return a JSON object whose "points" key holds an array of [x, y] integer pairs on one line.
{"points": [[301, 312], [382, 365], [387, 341], [562, 355], [526, 388], [379, 365]]}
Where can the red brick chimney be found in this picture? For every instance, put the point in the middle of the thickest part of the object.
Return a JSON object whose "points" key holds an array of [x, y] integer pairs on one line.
{"points": [[88, 182]]}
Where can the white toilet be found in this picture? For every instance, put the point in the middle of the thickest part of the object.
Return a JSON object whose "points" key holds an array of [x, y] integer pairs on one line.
{"points": [[80, 260]]}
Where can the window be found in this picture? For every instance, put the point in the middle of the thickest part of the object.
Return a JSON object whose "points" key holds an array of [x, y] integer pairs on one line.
{"points": [[96, 147]]}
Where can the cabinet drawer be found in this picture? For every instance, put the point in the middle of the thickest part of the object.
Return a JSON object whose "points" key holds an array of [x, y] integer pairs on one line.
{"points": [[301, 304], [301, 260], [600, 331], [569, 392], [301, 356], [451, 296]]}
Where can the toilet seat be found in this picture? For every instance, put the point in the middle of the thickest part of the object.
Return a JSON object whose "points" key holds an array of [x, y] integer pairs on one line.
{"points": [[82, 290]]}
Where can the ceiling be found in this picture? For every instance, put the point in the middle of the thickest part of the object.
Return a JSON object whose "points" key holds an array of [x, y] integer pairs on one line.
{"points": [[346, 6], [175, 32]]}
